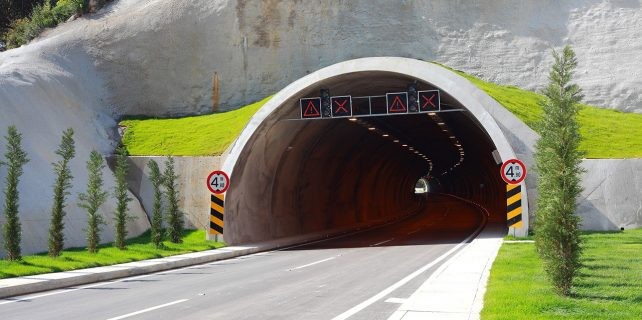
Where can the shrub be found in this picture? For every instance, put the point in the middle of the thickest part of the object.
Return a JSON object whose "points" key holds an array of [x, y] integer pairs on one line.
{"points": [[66, 151], [93, 199], [174, 215], [122, 198], [156, 178], [15, 157], [558, 164]]}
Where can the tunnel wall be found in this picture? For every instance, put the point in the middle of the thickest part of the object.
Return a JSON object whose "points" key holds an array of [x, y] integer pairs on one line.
{"points": [[250, 210]]}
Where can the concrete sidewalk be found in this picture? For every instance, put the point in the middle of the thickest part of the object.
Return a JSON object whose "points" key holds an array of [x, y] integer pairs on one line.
{"points": [[455, 291]]}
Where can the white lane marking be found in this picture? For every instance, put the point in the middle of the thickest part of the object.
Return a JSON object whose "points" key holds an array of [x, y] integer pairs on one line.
{"points": [[396, 300], [413, 232], [27, 298], [382, 242], [147, 310], [352, 311], [311, 264]]}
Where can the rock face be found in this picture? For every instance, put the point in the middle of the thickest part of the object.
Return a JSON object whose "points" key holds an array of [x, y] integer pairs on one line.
{"points": [[159, 57]]}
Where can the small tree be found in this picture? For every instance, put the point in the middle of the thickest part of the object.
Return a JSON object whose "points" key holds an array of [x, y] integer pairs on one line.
{"points": [[156, 178], [66, 151], [93, 199], [122, 198], [558, 164], [16, 157], [174, 215]]}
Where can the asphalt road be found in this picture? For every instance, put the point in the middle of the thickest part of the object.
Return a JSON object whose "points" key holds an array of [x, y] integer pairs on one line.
{"points": [[362, 274]]}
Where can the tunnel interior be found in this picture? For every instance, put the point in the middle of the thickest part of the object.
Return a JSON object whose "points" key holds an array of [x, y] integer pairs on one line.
{"points": [[302, 176]]}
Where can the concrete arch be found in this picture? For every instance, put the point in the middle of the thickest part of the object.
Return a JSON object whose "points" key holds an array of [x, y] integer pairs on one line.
{"points": [[280, 107]]}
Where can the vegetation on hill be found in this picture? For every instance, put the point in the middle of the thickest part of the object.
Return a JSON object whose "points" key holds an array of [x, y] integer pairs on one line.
{"points": [[191, 136], [605, 133], [22, 21]]}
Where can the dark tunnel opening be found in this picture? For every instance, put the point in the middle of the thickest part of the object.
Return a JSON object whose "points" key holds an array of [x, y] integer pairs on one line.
{"points": [[302, 176]]}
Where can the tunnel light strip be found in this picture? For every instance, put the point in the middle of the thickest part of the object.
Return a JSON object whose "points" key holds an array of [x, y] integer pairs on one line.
{"points": [[386, 135]]}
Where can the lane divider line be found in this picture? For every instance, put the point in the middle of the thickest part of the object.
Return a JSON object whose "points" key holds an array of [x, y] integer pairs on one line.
{"points": [[311, 264], [382, 242], [396, 300], [148, 310]]}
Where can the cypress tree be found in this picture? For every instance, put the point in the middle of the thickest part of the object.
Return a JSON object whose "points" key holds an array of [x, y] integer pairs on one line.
{"points": [[156, 178], [174, 215], [15, 157], [66, 151], [93, 199], [558, 165], [122, 198]]}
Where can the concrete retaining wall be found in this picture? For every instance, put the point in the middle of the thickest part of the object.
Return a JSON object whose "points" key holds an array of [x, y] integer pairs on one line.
{"points": [[194, 197], [612, 196]]}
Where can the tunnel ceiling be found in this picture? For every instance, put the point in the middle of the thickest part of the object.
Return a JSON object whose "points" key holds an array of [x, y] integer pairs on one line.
{"points": [[298, 176]]}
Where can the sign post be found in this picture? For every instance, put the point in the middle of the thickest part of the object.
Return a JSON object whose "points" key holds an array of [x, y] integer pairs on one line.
{"points": [[217, 183], [513, 172]]}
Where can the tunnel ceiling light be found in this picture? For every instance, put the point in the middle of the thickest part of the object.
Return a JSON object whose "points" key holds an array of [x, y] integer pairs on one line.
{"points": [[396, 141], [432, 114], [371, 128], [385, 135], [353, 119], [440, 123], [404, 145]]}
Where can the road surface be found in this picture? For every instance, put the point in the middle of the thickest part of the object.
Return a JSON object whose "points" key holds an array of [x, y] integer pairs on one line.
{"points": [[360, 276]]}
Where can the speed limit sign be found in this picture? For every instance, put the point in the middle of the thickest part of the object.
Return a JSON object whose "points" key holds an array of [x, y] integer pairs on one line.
{"points": [[513, 171], [218, 182]]}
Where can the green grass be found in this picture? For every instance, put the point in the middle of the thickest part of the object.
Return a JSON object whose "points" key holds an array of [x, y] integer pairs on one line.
{"points": [[139, 248], [190, 136], [605, 133], [608, 286]]}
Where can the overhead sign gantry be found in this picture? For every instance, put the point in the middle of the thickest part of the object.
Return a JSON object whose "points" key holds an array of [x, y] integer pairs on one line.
{"points": [[411, 101]]}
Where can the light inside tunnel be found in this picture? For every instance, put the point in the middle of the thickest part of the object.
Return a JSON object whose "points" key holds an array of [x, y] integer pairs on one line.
{"points": [[343, 172]]}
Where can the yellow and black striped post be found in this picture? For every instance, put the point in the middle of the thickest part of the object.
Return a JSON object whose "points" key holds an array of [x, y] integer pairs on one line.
{"points": [[217, 209], [514, 205]]}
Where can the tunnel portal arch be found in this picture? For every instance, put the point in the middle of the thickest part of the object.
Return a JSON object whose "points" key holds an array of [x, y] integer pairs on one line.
{"points": [[291, 177]]}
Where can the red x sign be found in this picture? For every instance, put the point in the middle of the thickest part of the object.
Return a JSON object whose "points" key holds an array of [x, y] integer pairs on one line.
{"points": [[429, 100], [341, 106]]}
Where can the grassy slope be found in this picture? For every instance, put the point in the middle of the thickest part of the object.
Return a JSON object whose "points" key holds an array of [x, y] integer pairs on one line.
{"points": [[139, 248], [191, 136], [606, 133], [608, 286]]}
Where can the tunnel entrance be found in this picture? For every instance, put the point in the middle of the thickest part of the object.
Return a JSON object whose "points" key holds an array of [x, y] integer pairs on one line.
{"points": [[291, 176]]}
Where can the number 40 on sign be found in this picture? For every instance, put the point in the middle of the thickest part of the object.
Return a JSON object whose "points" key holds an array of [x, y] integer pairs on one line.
{"points": [[218, 182], [513, 171]]}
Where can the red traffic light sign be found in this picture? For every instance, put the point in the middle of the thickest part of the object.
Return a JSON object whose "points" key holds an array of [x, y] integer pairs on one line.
{"points": [[513, 171], [218, 182], [397, 102]]}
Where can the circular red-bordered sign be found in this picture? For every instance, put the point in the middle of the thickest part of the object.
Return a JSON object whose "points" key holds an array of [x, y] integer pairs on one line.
{"points": [[513, 171], [218, 182]]}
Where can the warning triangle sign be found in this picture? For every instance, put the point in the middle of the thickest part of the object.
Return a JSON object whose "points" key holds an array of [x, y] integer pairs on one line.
{"points": [[397, 105], [311, 110]]}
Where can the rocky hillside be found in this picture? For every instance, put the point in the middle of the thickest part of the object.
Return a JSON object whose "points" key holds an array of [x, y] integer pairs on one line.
{"points": [[159, 57]]}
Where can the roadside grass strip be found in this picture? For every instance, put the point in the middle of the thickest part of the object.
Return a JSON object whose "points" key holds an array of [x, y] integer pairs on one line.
{"points": [[609, 285], [139, 248], [204, 135]]}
